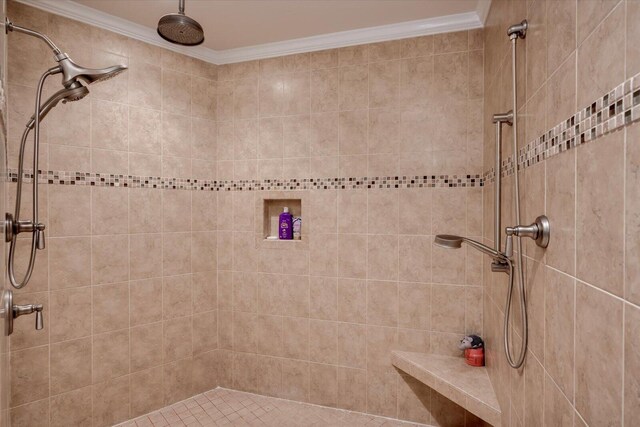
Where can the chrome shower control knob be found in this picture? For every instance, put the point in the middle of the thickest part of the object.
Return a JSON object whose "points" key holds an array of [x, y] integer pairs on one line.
{"points": [[539, 231]]}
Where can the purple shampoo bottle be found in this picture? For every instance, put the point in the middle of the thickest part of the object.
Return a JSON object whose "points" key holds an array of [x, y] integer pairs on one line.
{"points": [[285, 225]]}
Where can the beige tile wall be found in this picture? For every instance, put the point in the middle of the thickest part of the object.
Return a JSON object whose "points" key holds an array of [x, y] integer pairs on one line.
{"points": [[583, 363], [128, 278], [317, 322], [313, 324]]}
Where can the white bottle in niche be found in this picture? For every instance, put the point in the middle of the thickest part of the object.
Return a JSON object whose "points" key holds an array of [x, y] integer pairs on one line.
{"points": [[297, 228]]}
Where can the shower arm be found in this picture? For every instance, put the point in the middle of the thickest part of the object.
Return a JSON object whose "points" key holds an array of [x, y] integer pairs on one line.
{"points": [[10, 26]]}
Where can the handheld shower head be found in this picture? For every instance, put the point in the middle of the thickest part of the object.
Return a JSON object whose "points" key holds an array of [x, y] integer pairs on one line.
{"points": [[65, 95], [449, 241], [178, 28], [72, 72]]}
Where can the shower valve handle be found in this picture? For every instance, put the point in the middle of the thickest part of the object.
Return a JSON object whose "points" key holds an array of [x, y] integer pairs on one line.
{"points": [[538, 231]]}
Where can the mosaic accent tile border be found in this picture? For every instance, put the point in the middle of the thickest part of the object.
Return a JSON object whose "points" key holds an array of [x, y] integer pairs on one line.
{"points": [[349, 183], [614, 110], [618, 108]]}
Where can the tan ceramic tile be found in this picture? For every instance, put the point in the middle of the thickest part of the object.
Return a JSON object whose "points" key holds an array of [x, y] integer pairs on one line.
{"points": [[176, 296], [416, 46], [382, 393], [323, 381], [204, 289], [561, 195], [110, 355], [384, 51], [414, 305], [557, 409], [177, 380], [204, 337], [146, 391], [598, 385], [414, 400], [70, 313], [176, 253], [295, 380], [631, 363], [30, 414], [146, 346], [67, 202], [73, 407], [69, 262], [108, 303], [447, 314], [604, 60], [451, 42], [352, 300], [177, 341], [384, 84], [323, 341], [29, 375], [145, 255], [323, 296], [632, 218], [295, 338], [109, 259], [352, 345], [145, 301], [70, 365], [109, 125], [415, 258], [599, 207], [559, 330]]}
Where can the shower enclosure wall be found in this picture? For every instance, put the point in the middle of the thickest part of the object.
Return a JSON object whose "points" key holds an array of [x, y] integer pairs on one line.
{"points": [[584, 287], [155, 289], [161, 288]]}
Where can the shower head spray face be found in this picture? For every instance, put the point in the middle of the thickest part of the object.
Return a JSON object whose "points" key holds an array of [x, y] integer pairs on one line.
{"points": [[448, 241], [65, 95], [178, 28], [72, 72]]}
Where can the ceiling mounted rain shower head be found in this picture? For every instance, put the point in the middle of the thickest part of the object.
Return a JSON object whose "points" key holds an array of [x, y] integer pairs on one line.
{"points": [[178, 28]]}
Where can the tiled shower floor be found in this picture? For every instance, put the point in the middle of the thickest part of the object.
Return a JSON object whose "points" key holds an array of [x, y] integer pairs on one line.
{"points": [[222, 407]]}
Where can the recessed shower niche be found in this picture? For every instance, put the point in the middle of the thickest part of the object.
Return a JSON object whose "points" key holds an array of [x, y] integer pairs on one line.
{"points": [[272, 205]]}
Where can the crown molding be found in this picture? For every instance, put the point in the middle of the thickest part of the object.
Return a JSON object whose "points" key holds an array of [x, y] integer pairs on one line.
{"points": [[483, 10], [403, 30], [443, 24]]}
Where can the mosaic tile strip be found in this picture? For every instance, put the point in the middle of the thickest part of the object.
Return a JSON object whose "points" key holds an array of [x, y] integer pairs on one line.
{"points": [[350, 183], [618, 108]]}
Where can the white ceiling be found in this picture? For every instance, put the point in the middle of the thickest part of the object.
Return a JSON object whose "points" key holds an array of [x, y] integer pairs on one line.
{"points": [[230, 24], [240, 30]]}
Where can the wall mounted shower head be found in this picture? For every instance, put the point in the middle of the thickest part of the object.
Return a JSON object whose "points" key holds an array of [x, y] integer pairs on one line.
{"points": [[449, 241], [72, 72], [65, 95], [178, 28]]}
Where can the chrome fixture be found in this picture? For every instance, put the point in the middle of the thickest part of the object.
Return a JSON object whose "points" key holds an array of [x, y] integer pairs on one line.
{"points": [[449, 241], [499, 119], [178, 28], [74, 89], [515, 32], [12, 311], [518, 30], [539, 231]]}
